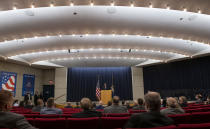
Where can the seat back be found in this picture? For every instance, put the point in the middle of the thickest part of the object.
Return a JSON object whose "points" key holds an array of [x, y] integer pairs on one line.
{"points": [[164, 127], [113, 122], [83, 123], [194, 126], [116, 114], [50, 123], [200, 117], [50, 116], [181, 118]]}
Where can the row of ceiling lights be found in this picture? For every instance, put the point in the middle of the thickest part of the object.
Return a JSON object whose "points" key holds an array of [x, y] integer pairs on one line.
{"points": [[112, 4], [100, 49], [99, 34]]}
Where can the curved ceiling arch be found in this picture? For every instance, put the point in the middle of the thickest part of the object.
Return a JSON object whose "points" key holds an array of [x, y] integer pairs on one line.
{"points": [[177, 46], [103, 19]]}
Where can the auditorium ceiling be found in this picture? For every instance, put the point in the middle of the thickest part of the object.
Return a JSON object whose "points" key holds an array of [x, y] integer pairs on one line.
{"points": [[100, 33]]}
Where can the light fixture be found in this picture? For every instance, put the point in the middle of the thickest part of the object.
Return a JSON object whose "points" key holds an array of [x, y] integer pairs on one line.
{"points": [[51, 5], [47, 36], [185, 9], [132, 5], [199, 11], [99, 34], [32, 6], [71, 4], [168, 7], [35, 37], [86, 34], [91, 3], [150, 5], [60, 35], [14, 7], [73, 35], [112, 3]]}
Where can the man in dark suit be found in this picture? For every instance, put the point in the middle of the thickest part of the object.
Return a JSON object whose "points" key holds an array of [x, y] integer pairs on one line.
{"points": [[153, 117], [9, 119], [86, 105], [27, 97], [116, 108]]}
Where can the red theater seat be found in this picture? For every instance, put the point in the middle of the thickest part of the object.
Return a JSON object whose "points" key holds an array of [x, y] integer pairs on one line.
{"points": [[181, 118], [50, 116], [83, 123], [116, 114], [165, 127], [113, 122], [194, 126], [30, 120], [31, 115], [50, 123], [136, 111], [200, 117]]}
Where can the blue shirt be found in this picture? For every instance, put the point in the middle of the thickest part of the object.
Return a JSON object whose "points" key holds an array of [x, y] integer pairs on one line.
{"points": [[51, 111]]}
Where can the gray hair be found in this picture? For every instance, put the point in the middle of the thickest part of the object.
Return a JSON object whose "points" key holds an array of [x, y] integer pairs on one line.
{"points": [[152, 101]]}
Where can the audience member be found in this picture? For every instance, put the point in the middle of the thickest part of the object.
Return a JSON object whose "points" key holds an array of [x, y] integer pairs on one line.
{"points": [[27, 97], [163, 102], [173, 107], [87, 111], [68, 105], [100, 106], [183, 101], [22, 104], [50, 109], [198, 98], [28, 105], [109, 103], [40, 105], [153, 117], [93, 106], [123, 103], [77, 105], [36, 97], [139, 105], [16, 104], [127, 105], [7, 118], [208, 100], [115, 108]]}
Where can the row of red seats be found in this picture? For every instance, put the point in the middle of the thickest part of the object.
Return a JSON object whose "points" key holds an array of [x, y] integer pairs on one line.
{"points": [[79, 123], [99, 123], [187, 118]]}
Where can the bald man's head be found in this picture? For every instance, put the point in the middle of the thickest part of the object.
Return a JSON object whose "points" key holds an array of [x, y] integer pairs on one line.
{"points": [[152, 101], [86, 103]]}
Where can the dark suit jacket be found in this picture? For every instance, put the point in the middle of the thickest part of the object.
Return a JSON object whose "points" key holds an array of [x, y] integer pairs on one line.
{"points": [[116, 109], [148, 120], [13, 120], [87, 113]]}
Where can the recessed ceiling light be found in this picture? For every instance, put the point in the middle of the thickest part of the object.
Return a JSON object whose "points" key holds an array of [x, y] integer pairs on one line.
{"points": [[150, 5], [32, 6], [91, 3], [14, 8], [60, 35], [112, 4], [51, 5], [71, 4], [132, 5]]}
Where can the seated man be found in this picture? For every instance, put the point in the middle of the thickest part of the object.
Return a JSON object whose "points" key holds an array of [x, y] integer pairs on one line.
{"points": [[208, 100], [183, 101], [153, 117], [173, 107], [86, 105], [9, 119], [28, 104], [198, 98], [40, 105], [116, 108], [139, 105], [50, 109], [68, 105], [100, 106]]}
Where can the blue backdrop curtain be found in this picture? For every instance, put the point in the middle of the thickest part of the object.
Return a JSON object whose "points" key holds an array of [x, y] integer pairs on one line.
{"points": [[82, 82], [187, 78]]}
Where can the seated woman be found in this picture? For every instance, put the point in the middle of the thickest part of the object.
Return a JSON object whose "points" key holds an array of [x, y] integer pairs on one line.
{"points": [[172, 107]]}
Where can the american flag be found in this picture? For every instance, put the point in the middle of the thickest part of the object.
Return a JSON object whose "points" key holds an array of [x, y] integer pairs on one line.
{"points": [[98, 90], [8, 82]]}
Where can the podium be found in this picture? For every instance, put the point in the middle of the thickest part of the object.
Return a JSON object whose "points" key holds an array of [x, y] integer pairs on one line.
{"points": [[106, 95]]}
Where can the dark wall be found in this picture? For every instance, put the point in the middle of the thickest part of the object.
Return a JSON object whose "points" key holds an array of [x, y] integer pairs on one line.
{"points": [[186, 77]]}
